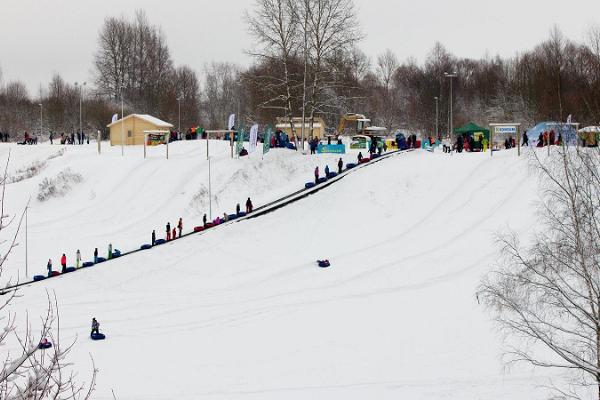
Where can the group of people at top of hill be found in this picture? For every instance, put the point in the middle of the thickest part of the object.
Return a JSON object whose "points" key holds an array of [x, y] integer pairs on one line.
{"points": [[78, 260], [74, 138]]}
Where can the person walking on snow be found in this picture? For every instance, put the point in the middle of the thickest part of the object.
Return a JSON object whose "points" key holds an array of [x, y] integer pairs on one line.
{"points": [[525, 139], [153, 237], [340, 165], [316, 174], [360, 156], [95, 326], [95, 255], [110, 253], [77, 259], [63, 262], [248, 206], [237, 209], [204, 220], [168, 231], [180, 226], [49, 267]]}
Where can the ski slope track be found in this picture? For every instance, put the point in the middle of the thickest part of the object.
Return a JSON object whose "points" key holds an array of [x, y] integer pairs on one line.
{"points": [[243, 312], [259, 211]]}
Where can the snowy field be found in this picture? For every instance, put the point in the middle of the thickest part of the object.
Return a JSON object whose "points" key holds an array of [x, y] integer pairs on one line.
{"points": [[242, 312]]}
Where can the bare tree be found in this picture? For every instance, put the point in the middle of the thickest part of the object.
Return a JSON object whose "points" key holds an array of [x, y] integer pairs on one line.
{"points": [[274, 24], [546, 297], [34, 373]]}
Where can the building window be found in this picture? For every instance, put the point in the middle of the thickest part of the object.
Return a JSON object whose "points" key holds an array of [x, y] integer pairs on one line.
{"points": [[128, 133]]}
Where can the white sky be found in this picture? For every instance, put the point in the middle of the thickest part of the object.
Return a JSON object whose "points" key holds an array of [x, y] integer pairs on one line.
{"points": [[40, 37]]}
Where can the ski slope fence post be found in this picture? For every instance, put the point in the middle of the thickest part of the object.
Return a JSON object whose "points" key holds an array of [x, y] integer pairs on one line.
{"points": [[168, 139], [145, 141], [99, 142]]}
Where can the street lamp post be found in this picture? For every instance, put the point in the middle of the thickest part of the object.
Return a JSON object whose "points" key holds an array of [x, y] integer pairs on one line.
{"points": [[41, 115], [437, 131], [451, 76], [179, 117], [122, 124], [26, 244]]}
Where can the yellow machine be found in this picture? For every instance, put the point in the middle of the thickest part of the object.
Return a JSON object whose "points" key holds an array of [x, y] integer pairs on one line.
{"points": [[361, 125]]}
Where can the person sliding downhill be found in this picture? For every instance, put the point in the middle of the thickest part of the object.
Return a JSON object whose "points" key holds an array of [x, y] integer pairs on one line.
{"points": [[95, 326]]}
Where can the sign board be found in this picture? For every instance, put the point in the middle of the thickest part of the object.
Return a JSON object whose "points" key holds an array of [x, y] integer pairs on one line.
{"points": [[507, 130], [359, 142], [331, 149], [155, 139]]}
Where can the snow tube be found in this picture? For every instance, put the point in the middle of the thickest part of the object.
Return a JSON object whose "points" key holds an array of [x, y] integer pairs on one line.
{"points": [[97, 336], [55, 273], [38, 278], [87, 264], [69, 269], [209, 225], [159, 241], [375, 155], [350, 165], [323, 263], [291, 146], [309, 185], [198, 228], [332, 175], [241, 214], [145, 246], [364, 160], [46, 345], [116, 253], [100, 259], [232, 216], [321, 180]]}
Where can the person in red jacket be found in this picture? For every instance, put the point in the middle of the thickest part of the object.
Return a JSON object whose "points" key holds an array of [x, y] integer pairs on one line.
{"points": [[63, 262], [180, 226]]}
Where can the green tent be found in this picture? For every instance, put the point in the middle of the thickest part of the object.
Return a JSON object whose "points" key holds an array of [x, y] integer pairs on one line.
{"points": [[471, 129]]}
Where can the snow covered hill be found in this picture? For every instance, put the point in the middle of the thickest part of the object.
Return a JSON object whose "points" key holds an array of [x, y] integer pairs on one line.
{"points": [[242, 312]]}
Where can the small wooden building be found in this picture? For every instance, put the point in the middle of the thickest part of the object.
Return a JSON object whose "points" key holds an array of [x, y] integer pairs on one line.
{"points": [[318, 127], [132, 128]]}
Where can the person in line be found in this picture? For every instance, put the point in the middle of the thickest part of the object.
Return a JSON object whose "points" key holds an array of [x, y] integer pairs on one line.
{"points": [[340, 165], [110, 251], [316, 174], [95, 327], [168, 231], [49, 267], [174, 233], [248, 206], [204, 220], [63, 262], [225, 217], [180, 226], [326, 171], [96, 255], [525, 140], [153, 237], [237, 209], [77, 259], [360, 156]]}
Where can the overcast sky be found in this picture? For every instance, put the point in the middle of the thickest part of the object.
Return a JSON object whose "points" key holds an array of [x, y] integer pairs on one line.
{"points": [[40, 37]]}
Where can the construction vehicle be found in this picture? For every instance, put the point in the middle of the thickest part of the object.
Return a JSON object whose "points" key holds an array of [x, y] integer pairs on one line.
{"points": [[361, 124]]}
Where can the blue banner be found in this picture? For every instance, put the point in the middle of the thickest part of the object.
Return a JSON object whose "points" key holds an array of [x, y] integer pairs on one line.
{"points": [[331, 148]]}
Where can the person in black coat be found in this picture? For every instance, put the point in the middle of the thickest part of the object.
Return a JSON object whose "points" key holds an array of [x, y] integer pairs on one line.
{"points": [[459, 144], [153, 237], [340, 165], [248, 206], [360, 156], [525, 139]]}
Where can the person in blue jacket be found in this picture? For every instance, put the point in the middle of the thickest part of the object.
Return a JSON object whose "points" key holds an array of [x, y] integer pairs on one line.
{"points": [[49, 267]]}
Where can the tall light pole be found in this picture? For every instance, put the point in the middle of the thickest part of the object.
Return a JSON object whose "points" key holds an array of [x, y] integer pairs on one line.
{"points": [[26, 252], [178, 116], [41, 115], [81, 87], [437, 101], [122, 124], [451, 76]]}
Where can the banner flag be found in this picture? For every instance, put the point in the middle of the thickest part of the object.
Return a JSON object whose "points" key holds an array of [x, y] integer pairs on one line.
{"points": [[253, 137], [231, 122], [114, 118], [267, 141]]}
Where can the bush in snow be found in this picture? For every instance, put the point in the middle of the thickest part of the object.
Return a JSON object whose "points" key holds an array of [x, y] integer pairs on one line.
{"points": [[27, 172], [58, 186]]}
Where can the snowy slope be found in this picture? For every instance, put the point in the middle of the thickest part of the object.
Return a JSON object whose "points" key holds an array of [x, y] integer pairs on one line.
{"points": [[242, 312], [120, 200]]}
